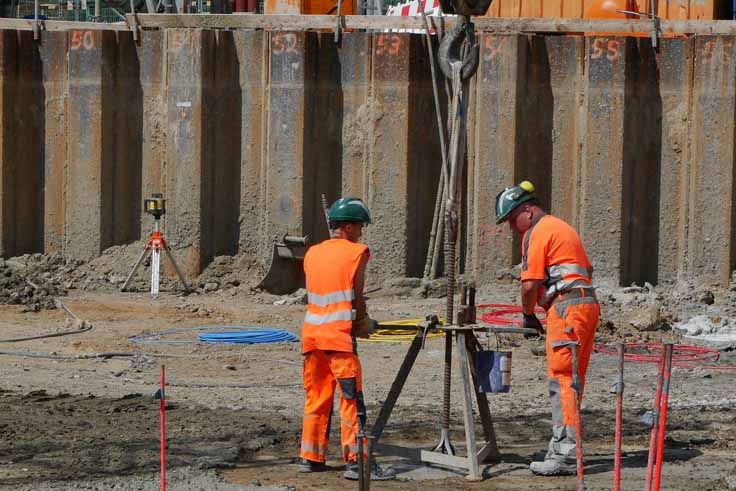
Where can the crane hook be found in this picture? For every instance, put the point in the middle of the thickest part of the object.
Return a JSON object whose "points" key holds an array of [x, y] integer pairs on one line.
{"points": [[451, 48]]}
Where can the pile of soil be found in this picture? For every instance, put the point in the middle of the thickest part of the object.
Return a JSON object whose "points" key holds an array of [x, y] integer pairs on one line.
{"points": [[33, 280]]}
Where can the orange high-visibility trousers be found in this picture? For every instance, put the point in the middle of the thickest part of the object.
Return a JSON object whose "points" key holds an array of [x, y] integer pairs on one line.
{"points": [[323, 371], [568, 322]]}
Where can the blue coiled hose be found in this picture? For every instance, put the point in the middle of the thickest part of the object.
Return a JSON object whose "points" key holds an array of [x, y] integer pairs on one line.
{"points": [[254, 336], [234, 334]]}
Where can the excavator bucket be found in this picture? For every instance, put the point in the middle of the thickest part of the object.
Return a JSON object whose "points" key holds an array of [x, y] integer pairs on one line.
{"points": [[286, 273]]}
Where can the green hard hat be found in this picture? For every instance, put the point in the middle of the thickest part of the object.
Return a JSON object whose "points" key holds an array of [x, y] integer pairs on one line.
{"points": [[510, 198], [349, 210]]}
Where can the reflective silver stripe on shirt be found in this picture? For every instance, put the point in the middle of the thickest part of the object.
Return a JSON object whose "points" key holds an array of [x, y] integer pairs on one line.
{"points": [[560, 270], [338, 315], [332, 297], [562, 286]]}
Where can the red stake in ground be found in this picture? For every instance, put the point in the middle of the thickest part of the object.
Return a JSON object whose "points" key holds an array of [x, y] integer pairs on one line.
{"points": [[162, 393]]}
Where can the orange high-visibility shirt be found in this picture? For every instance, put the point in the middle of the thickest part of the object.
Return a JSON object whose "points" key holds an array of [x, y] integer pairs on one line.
{"points": [[552, 251], [330, 268]]}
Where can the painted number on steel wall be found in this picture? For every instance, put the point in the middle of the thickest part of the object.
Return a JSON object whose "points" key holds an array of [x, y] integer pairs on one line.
{"points": [[610, 48], [493, 47], [388, 44], [709, 49], [181, 40], [282, 43], [82, 40]]}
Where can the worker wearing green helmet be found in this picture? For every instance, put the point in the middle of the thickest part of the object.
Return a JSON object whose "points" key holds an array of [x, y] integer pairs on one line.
{"points": [[556, 276], [336, 315], [349, 210]]}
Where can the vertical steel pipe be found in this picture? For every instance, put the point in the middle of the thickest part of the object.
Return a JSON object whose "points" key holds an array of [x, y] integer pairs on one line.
{"points": [[619, 419], [655, 425], [663, 415], [36, 33]]}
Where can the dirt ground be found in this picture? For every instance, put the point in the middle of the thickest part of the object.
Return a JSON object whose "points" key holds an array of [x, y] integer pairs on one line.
{"points": [[234, 411]]}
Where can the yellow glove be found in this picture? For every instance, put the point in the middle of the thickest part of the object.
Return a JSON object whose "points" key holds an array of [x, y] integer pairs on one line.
{"points": [[364, 327]]}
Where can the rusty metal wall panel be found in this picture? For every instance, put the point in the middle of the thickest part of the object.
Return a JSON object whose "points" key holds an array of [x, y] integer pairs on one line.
{"points": [[675, 82], [323, 131], [424, 164], [55, 86], [388, 168], [499, 102], [640, 199], [355, 76], [284, 178], [151, 62], [29, 108], [89, 173], [251, 50], [189, 151], [124, 140], [603, 154], [8, 168], [711, 220], [225, 122], [565, 59]]}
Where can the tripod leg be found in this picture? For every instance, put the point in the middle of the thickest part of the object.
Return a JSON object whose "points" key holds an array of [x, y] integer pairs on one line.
{"points": [[135, 268], [155, 267], [178, 271]]}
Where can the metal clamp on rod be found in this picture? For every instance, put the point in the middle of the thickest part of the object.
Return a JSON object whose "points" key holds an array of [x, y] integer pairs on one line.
{"points": [[338, 24], [656, 23], [134, 18]]}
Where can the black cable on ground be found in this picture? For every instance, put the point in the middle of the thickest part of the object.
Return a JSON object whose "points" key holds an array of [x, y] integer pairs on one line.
{"points": [[88, 327]]}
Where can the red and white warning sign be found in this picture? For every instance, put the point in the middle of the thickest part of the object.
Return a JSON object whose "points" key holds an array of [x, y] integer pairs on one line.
{"points": [[415, 7]]}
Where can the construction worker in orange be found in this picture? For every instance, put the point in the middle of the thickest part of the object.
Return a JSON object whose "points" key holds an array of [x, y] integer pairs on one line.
{"points": [[336, 315], [556, 275]]}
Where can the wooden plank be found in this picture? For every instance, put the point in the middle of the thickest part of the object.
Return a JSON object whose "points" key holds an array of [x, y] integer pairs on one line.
{"points": [[438, 458], [468, 419], [60, 25], [491, 448], [318, 22], [488, 24], [413, 454]]}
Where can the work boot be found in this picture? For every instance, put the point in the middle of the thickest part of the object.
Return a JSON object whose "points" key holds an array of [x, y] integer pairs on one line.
{"points": [[306, 465], [561, 458], [552, 467], [377, 472]]}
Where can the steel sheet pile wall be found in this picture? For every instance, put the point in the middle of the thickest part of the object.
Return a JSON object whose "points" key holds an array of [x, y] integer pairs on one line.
{"points": [[244, 130]]}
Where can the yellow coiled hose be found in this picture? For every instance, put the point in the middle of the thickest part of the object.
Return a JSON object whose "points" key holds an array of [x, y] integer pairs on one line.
{"points": [[398, 335]]}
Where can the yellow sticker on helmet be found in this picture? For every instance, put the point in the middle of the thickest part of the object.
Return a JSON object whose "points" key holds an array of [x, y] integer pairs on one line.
{"points": [[527, 186]]}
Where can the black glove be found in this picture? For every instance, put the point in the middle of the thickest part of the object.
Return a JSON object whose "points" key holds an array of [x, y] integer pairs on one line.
{"points": [[531, 322]]}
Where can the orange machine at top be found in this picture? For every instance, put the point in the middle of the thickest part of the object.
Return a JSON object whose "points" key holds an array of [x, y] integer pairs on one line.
{"points": [[579, 9]]}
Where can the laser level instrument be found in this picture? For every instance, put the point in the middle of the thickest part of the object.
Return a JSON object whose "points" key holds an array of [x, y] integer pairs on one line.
{"points": [[156, 207]]}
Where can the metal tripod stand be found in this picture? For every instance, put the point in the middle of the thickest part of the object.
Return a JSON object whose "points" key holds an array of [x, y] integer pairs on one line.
{"points": [[155, 244]]}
